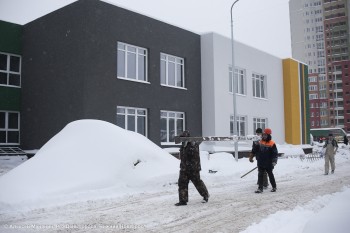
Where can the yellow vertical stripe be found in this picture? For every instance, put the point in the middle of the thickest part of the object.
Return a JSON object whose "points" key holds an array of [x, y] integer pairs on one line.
{"points": [[291, 101]]}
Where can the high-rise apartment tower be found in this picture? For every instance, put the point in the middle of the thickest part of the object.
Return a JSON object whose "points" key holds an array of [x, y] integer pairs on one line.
{"points": [[320, 38]]}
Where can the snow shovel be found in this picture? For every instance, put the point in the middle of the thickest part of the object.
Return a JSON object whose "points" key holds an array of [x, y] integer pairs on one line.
{"points": [[249, 172]]}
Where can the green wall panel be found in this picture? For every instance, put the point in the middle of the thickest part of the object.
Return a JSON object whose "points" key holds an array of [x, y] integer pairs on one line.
{"points": [[307, 101], [10, 39], [10, 98]]}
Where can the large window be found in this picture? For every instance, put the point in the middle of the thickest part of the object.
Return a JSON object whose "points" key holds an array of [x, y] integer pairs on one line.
{"points": [[259, 123], [10, 70], [172, 124], [9, 128], [259, 86], [172, 71], [132, 62], [240, 78], [133, 119], [241, 125]]}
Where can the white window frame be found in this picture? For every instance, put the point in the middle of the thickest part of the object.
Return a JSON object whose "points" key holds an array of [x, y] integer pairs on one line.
{"points": [[259, 122], [313, 96], [240, 76], [127, 111], [8, 72], [312, 87], [312, 79], [323, 87], [260, 81], [323, 95], [322, 78], [165, 61], [240, 119], [139, 52], [6, 129], [164, 114]]}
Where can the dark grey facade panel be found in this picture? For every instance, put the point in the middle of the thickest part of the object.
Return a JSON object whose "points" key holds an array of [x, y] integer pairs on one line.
{"points": [[70, 70]]}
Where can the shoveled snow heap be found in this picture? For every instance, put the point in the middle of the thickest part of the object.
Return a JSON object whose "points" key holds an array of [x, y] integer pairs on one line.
{"points": [[86, 155]]}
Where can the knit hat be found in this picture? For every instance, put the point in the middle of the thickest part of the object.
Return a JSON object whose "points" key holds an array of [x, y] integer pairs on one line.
{"points": [[268, 131]]}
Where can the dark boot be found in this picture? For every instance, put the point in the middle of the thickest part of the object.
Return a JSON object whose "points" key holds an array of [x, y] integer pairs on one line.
{"points": [[205, 199], [259, 190], [181, 203]]}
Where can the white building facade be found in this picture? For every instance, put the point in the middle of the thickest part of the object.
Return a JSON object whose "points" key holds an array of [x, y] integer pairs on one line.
{"points": [[260, 98]]}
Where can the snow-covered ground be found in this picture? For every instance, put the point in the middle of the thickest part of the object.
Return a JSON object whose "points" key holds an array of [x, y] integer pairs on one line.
{"points": [[96, 177]]}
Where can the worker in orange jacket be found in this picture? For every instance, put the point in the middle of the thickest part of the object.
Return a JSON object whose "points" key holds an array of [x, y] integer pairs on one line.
{"points": [[267, 160]]}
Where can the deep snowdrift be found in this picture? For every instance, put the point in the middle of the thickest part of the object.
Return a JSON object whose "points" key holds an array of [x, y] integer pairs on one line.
{"points": [[86, 155]]}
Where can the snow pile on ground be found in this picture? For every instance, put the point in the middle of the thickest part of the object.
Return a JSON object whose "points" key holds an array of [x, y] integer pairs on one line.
{"points": [[329, 213], [221, 164], [86, 155], [337, 210], [9, 162]]}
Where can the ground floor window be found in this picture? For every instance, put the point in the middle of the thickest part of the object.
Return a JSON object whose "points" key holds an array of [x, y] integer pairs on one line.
{"points": [[133, 119], [172, 124], [9, 128], [241, 125], [259, 123]]}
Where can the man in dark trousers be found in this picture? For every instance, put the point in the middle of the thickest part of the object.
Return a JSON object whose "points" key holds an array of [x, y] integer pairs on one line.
{"points": [[190, 167], [267, 159], [346, 140], [255, 153]]}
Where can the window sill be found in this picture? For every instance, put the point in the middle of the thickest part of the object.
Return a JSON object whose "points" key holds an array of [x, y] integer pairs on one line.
{"points": [[181, 88], [261, 98], [134, 80], [238, 94], [3, 85]]}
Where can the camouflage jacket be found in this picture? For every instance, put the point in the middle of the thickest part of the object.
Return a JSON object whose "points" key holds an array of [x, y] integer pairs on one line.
{"points": [[189, 156]]}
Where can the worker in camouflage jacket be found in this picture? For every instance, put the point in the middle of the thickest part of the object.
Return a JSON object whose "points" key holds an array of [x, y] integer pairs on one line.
{"points": [[190, 167]]}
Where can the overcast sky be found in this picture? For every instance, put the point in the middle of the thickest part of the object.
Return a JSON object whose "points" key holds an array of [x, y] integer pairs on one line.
{"points": [[262, 24]]}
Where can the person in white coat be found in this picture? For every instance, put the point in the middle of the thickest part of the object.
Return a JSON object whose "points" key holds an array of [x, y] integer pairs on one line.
{"points": [[331, 146]]}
